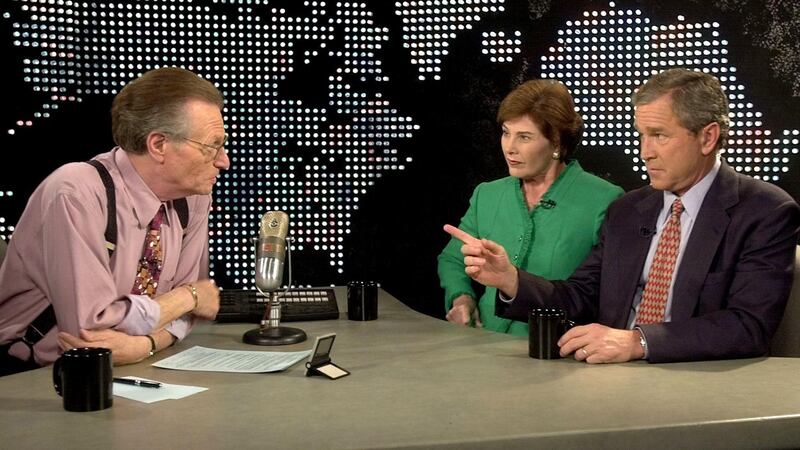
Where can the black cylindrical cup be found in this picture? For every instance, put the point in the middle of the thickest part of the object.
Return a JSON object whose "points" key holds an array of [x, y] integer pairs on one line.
{"points": [[546, 325], [83, 377], [362, 300]]}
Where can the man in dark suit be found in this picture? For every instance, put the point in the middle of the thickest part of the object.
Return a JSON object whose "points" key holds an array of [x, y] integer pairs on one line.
{"points": [[696, 266]]}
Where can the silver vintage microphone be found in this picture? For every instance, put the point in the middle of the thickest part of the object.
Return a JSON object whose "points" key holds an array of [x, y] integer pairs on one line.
{"points": [[270, 254], [271, 251]]}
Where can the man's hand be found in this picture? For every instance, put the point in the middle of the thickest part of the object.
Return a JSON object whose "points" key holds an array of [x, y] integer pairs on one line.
{"points": [[125, 349], [179, 301], [207, 299], [486, 262], [464, 312], [597, 343]]}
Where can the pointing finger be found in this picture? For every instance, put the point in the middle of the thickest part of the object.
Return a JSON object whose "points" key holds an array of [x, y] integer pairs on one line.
{"points": [[461, 235]]}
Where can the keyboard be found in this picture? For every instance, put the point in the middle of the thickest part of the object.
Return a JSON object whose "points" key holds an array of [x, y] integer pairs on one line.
{"points": [[239, 305]]}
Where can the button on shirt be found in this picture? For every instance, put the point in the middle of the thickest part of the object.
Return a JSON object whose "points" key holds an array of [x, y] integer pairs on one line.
{"points": [[692, 201]]}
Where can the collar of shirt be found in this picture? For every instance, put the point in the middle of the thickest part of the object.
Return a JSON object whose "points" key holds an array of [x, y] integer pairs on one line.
{"points": [[145, 202], [692, 199]]}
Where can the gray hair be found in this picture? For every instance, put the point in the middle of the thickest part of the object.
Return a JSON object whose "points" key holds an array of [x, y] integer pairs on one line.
{"points": [[155, 102]]}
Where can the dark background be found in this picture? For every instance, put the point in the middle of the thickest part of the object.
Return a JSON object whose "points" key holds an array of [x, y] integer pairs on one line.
{"points": [[396, 232]]}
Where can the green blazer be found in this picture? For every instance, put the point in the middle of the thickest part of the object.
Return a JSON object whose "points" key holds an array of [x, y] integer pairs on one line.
{"points": [[551, 240]]}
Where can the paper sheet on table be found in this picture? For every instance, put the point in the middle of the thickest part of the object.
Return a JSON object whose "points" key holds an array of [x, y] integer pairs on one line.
{"points": [[241, 361], [150, 395]]}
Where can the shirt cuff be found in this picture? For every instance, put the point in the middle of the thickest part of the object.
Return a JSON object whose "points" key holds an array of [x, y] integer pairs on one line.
{"points": [[503, 298], [142, 316], [180, 327]]}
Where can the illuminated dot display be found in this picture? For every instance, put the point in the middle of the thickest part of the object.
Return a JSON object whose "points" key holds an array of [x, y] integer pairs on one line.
{"points": [[430, 25], [607, 54], [313, 157], [5, 228], [311, 129], [499, 48]]}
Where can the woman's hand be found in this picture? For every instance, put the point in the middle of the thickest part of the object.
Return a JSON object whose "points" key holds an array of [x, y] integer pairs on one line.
{"points": [[464, 312]]}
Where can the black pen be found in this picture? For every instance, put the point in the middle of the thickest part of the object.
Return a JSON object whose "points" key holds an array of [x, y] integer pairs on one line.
{"points": [[135, 382]]}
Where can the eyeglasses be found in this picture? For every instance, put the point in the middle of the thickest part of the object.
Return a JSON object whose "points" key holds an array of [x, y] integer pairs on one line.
{"points": [[207, 149]]}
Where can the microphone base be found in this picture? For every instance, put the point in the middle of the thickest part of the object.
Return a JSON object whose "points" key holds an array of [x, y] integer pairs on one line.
{"points": [[274, 336]]}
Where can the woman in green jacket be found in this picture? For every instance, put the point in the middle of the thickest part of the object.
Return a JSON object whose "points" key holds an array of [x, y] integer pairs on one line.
{"points": [[547, 213]]}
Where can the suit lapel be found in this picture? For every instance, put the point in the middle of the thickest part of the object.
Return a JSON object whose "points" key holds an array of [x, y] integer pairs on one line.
{"points": [[707, 233], [632, 259]]}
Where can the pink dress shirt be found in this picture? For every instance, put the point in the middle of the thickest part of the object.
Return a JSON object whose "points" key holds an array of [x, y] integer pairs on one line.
{"points": [[57, 255]]}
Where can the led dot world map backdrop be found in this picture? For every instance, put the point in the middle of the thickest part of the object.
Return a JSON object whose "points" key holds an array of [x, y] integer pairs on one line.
{"points": [[370, 122]]}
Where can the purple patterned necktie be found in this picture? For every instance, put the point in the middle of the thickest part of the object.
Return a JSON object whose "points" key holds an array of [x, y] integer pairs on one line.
{"points": [[152, 258]]}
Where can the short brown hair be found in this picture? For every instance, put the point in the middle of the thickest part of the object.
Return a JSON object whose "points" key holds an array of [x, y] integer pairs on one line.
{"points": [[550, 106], [697, 99], [154, 102]]}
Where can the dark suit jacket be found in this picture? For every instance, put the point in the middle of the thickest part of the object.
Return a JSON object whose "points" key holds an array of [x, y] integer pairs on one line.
{"points": [[731, 286]]}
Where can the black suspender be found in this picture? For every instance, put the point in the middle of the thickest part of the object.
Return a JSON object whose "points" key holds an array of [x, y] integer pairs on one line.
{"points": [[45, 321], [40, 326], [111, 202], [181, 207]]}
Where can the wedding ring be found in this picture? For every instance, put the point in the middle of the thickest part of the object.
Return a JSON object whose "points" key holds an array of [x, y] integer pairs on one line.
{"points": [[585, 353]]}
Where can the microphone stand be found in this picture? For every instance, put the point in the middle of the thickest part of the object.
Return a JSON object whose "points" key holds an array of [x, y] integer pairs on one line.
{"points": [[270, 332]]}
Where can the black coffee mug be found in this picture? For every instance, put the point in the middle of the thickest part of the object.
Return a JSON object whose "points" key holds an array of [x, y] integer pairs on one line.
{"points": [[546, 326], [362, 300], [83, 377]]}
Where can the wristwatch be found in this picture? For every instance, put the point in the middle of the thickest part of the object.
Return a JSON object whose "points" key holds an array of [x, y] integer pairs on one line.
{"points": [[642, 341], [152, 345]]}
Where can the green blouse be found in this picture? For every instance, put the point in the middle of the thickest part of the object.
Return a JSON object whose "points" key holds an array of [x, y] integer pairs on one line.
{"points": [[550, 240]]}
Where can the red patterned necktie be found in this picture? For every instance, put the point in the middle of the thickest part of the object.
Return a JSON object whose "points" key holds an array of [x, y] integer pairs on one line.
{"points": [[656, 290], [152, 258]]}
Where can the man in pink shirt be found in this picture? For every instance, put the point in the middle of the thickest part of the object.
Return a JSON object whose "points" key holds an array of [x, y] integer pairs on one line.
{"points": [[170, 139]]}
